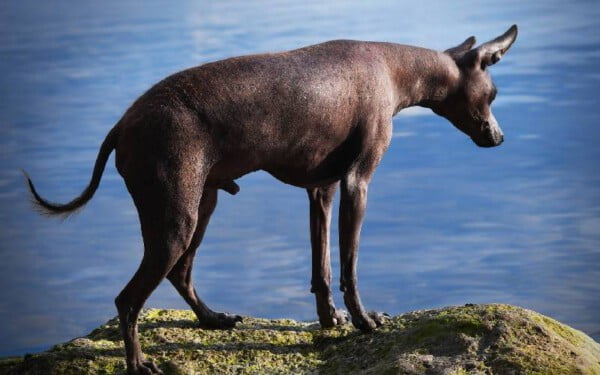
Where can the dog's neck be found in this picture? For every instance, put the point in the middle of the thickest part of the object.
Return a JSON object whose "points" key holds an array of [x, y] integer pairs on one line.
{"points": [[421, 76]]}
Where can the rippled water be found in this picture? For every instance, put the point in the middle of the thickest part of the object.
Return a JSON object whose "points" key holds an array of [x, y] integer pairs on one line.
{"points": [[447, 223]]}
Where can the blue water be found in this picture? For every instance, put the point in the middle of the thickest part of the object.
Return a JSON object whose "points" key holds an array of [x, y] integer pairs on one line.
{"points": [[447, 222]]}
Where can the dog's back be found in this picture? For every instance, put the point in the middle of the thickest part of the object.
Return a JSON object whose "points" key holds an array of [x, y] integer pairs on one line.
{"points": [[290, 113]]}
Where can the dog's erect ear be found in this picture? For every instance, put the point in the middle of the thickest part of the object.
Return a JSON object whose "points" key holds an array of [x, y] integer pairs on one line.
{"points": [[491, 52], [458, 51]]}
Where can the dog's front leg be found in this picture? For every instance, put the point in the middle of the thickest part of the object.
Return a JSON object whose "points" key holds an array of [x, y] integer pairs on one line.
{"points": [[353, 202], [321, 201]]}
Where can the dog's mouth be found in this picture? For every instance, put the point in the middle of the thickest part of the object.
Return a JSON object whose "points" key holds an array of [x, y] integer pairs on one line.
{"points": [[490, 135], [488, 141]]}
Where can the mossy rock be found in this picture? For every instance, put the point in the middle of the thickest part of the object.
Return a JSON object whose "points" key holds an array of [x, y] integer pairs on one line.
{"points": [[472, 339]]}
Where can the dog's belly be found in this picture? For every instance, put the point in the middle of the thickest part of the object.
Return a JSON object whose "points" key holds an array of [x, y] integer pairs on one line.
{"points": [[317, 164], [312, 162], [308, 178]]}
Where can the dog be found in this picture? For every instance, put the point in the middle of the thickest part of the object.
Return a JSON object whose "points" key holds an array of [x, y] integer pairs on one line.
{"points": [[317, 117]]}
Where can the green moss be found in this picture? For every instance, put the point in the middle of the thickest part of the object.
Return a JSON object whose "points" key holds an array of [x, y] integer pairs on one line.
{"points": [[572, 336], [446, 323], [458, 340]]}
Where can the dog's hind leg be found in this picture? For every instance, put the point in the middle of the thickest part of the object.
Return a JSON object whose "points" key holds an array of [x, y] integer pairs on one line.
{"points": [[321, 201], [167, 196], [181, 274]]}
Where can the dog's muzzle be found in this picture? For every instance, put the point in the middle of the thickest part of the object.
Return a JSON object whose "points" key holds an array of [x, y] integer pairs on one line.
{"points": [[490, 134]]}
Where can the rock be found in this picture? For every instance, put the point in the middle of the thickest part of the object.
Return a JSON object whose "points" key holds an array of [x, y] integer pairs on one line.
{"points": [[473, 339]]}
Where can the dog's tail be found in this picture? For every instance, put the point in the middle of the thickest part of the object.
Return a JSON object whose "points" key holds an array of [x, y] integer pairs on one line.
{"points": [[64, 210]]}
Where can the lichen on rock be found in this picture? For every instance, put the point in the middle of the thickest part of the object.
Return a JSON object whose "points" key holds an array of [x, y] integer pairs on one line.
{"points": [[471, 339]]}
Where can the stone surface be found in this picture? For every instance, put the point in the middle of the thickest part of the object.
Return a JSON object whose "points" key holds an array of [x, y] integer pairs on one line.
{"points": [[472, 339]]}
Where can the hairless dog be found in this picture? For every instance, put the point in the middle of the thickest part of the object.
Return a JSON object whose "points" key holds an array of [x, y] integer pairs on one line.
{"points": [[315, 117]]}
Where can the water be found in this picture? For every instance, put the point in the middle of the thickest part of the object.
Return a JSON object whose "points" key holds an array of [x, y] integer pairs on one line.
{"points": [[447, 222]]}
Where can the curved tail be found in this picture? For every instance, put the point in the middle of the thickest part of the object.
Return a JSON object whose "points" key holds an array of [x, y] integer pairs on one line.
{"points": [[57, 209]]}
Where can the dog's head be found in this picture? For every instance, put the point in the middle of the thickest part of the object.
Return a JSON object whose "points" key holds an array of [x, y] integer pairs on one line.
{"points": [[467, 105]]}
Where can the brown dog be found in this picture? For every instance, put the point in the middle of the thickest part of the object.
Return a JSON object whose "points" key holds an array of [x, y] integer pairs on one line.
{"points": [[311, 117]]}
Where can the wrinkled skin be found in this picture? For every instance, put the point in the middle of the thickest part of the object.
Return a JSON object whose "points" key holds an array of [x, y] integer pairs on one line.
{"points": [[318, 117]]}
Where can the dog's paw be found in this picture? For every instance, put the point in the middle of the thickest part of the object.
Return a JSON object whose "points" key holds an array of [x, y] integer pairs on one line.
{"points": [[378, 317], [338, 317], [369, 321], [364, 322], [220, 321], [144, 368]]}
